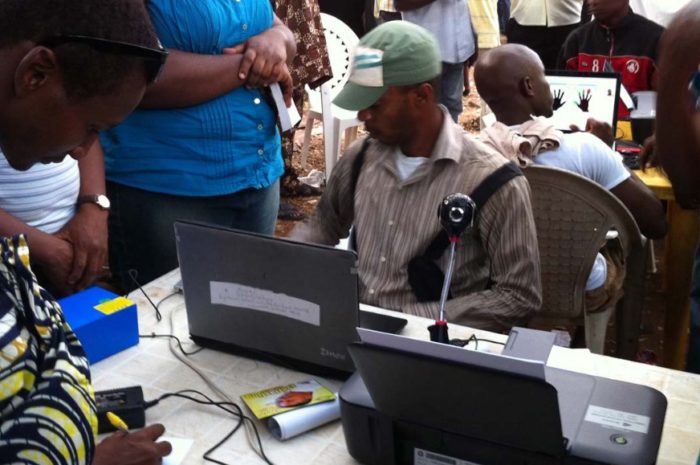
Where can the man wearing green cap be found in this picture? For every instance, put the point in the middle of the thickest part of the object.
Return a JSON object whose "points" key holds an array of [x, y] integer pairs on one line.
{"points": [[415, 156]]}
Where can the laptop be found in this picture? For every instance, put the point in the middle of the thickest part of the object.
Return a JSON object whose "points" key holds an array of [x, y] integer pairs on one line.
{"points": [[580, 95], [290, 303]]}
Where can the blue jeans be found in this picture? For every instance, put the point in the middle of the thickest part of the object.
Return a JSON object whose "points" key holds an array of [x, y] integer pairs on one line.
{"points": [[451, 88], [141, 235], [693, 360]]}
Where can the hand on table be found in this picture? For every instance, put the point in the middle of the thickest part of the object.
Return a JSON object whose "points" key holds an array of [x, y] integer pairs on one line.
{"points": [[647, 157], [138, 448]]}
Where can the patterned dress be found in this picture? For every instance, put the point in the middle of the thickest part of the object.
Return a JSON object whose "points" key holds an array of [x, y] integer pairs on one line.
{"points": [[47, 408], [310, 67]]}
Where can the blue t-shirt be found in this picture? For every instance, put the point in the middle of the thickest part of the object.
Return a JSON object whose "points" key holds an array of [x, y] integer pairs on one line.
{"points": [[218, 147]]}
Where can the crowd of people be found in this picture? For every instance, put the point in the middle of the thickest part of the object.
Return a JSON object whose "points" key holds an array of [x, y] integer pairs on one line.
{"points": [[120, 117]]}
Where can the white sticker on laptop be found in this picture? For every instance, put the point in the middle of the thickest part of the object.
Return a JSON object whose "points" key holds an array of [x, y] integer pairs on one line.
{"points": [[618, 419], [424, 457], [253, 298]]}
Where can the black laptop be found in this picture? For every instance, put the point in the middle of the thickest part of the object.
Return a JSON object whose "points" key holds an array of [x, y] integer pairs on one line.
{"points": [[291, 303]]}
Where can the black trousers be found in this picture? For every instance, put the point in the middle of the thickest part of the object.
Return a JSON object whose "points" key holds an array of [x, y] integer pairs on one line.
{"points": [[545, 41]]}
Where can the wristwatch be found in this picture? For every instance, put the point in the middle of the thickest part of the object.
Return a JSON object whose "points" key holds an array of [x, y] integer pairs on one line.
{"points": [[100, 200]]}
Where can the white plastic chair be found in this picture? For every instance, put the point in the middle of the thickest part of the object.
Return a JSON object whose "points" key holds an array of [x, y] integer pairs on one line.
{"points": [[340, 40]]}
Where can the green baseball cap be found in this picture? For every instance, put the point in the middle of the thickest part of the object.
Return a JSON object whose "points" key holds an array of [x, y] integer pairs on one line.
{"points": [[397, 53]]}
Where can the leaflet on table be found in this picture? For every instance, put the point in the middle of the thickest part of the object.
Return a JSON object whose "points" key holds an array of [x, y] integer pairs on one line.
{"points": [[279, 399]]}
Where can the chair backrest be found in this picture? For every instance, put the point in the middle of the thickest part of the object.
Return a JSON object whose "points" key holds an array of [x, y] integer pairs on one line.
{"points": [[573, 215], [341, 41]]}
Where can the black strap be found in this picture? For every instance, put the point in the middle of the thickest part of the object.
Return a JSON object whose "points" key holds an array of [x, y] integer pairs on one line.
{"points": [[354, 177], [480, 196], [357, 166]]}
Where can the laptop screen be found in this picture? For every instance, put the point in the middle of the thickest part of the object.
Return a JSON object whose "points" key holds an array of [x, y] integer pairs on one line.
{"points": [[579, 96]]}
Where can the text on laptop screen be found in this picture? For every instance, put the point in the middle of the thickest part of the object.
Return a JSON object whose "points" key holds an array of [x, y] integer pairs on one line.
{"points": [[579, 96]]}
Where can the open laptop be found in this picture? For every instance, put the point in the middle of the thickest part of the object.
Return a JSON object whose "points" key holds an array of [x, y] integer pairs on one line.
{"points": [[287, 302], [579, 96]]}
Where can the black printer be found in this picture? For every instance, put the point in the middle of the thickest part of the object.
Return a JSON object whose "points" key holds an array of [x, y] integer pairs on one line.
{"points": [[415, 402]]}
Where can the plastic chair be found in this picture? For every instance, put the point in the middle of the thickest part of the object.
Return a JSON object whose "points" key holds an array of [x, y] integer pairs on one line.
{"points": [[573, 216], [340, 40]]}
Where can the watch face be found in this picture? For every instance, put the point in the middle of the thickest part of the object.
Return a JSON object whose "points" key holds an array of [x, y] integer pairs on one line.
{"points": [[103, 201]]}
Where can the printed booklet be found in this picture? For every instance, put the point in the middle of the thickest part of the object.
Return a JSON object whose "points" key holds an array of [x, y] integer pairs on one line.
{"points": [[279, 399]]}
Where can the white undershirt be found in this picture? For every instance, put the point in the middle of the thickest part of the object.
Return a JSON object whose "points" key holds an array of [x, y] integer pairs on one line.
{"points": [[406, 166], [44, 196]]}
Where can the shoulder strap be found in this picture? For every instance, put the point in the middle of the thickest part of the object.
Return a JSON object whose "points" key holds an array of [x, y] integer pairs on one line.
{"points": [[480, 196], [357, 166], [354, 177]]}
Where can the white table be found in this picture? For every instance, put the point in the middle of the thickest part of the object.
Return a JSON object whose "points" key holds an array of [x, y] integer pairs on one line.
{"points": [[151, 365]]}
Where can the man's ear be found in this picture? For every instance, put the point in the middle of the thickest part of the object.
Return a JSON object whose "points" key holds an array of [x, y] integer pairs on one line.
{"points": [[424, 93], [38, 68], [526, 87]]}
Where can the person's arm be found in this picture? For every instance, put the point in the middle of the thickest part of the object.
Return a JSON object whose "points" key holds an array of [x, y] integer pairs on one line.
{"points": [[603, 165], [87, 230], [334, 215], [677, 136], [50, 254], [646, 209], [191, 79], [407, 5], [507, 231]]}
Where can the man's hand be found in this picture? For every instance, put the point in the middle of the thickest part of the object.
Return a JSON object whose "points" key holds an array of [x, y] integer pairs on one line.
{"points": [[87, 233], [600, 129], [647, 157], [139, 448], [53, 257]]}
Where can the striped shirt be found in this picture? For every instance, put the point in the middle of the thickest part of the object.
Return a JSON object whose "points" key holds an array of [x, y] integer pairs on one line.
{"points": [[47, 408], [496, 282], [44, 196]]}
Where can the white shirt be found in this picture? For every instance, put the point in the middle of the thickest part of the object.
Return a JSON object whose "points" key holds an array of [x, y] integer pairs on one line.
{"points": [[451, 24], [406, 166], [661, 12], [585, 154], [44, 196], [549, 13]]}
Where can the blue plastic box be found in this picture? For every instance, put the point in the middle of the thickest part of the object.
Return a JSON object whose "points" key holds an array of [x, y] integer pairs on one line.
{"points": [[105, 323]]}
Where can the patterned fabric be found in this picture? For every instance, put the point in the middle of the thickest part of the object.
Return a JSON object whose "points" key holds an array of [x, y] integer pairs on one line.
{"points": [[303, 17], [496, 282], [47, 408], [311, 67]]}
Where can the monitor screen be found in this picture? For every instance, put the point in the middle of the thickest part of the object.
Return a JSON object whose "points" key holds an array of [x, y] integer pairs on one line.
{"points": [[579, 96]]}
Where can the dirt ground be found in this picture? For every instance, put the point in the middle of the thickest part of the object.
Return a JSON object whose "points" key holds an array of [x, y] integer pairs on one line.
{"points": [[651, 340]]}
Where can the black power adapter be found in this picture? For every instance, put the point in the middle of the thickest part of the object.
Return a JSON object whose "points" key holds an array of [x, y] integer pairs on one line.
{"points": [[127, 403]]}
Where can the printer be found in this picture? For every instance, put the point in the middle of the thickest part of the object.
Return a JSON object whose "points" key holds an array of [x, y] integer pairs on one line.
{"points": [[414, 402]]}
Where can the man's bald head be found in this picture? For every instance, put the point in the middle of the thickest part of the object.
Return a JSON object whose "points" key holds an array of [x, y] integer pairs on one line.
{"points": [[510, 78]]}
